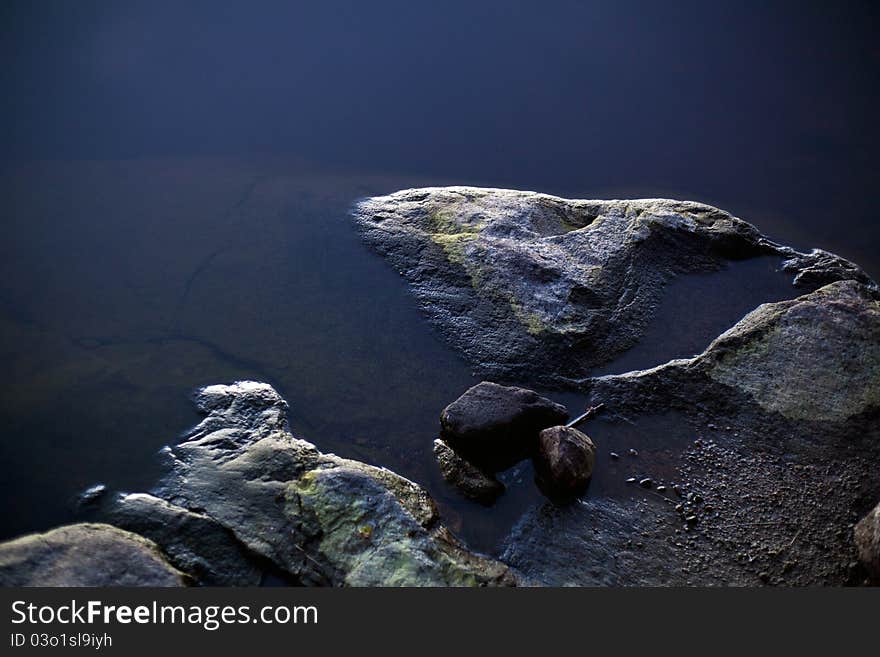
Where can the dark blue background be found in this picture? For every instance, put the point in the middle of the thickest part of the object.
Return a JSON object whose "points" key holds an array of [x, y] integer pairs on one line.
{"points": [[765, 108]]}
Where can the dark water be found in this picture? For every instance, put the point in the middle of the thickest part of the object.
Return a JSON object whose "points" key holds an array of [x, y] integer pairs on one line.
{"points": [[159, 232]]}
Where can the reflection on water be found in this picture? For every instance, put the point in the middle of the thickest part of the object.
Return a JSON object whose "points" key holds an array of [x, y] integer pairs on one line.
{"points": [[125, 285]]}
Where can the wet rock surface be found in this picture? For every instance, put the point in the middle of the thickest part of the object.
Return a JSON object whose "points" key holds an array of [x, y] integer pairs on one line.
{"points": [[192, 541], [532, 287], [495, 426], [564, 461], [240, 485], [86, 554], [468, 478]]}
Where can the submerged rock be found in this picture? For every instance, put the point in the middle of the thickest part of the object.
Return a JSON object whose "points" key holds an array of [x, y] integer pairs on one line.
{"points": [[867, 538], [531, 287], [86, 554], [315, 518], [564, 461], [91, 494], [495, 426], [468, 478]]}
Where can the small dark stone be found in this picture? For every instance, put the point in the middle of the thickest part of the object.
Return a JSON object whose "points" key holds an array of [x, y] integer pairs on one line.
{"points": [[691, 520], [661, 489], [631, 480], [633, 452], [615, 455], [495, 426], [564, 461], [646, 482]]}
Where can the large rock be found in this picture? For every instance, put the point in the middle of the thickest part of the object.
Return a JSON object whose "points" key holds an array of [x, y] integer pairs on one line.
{"points": [[85, 555], [564, 461], [315, 518], [813, 359], [468, 478], [193, 541], [867, 538], [766, 444], [495, 426], [532, 287]]}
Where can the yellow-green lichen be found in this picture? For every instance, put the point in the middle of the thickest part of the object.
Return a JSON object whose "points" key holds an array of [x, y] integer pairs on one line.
{"points": [[452, 236], [532, 322]]}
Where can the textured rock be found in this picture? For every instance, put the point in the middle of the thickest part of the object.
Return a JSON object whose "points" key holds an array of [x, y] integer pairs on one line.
{"points": [[588, 544], [867, 538], [814, 358], [495, 426], [564, 461], [532, 287], [85, 555], [468, 478], [193, 542], [317, 518]]}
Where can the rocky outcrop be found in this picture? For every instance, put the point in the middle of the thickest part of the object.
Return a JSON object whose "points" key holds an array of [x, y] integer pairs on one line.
{"points": [[564, 461], [495, 426], [867, 538], [242, 489], [85, 555], [194, 542], [535, 288]]}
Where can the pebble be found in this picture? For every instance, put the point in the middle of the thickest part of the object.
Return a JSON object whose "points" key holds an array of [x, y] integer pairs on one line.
{"points": [[691, 520], [615, 455], [660, 489], [645, 483], [631, 480], [633, 452]]}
